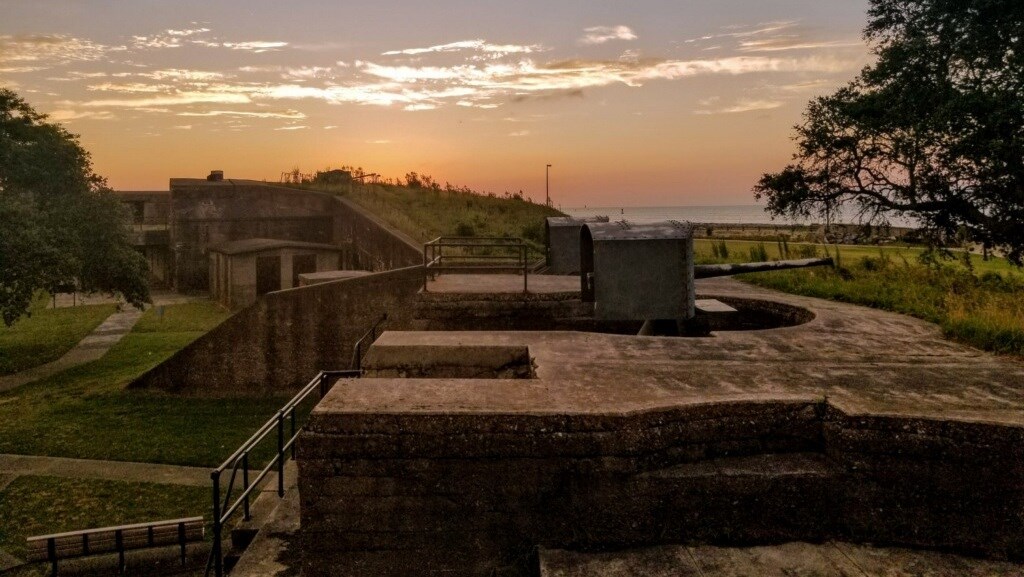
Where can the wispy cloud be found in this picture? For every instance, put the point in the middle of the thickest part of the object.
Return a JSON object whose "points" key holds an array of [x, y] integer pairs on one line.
{"points": [[39, 51], [602, 34], [793, 42], [519, 133], [68, 115], [477, 45], [291, 128], [288, 114], [713, 106], [256, 46]]}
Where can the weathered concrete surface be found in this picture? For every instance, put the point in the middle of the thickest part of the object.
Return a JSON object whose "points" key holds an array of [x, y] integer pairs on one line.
{"points": [[284, 339], [503, 283], [859, 425], [833, 559]]}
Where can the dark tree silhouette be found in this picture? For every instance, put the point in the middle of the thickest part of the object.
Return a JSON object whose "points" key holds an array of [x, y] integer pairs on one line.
{"points": [[933, 130]]}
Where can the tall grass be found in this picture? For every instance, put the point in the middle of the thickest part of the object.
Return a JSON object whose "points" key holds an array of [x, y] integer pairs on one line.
{"points": [[426, 213], [985, 311]]}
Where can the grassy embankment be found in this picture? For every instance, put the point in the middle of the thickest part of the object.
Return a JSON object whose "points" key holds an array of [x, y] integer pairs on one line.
{"points": [[46, 334], [86, 412], [427, 213]]}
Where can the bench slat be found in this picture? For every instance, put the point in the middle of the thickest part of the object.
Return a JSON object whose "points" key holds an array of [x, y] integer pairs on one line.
{"points": [[104, 539]]}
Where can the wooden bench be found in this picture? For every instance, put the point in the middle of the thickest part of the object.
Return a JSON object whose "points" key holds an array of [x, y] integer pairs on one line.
{"points": [[118, 539]]}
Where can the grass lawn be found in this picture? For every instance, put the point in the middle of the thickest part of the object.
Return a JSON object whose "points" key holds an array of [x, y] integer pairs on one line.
{"points": [[47, 334], [984, 309], [33, 505], [740, 251], [85, 412]]}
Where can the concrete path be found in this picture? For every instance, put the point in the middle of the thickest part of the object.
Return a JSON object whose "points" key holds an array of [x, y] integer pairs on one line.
{"points": [[95, 344], [12, 466]]}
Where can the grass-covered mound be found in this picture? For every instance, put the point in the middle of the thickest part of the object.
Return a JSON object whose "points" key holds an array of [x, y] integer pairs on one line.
{"points": [[425, 213]]}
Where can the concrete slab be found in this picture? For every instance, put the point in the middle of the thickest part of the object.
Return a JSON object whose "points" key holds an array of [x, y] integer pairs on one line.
{"points": [[789, 559], [864, 361], [503, 283]]}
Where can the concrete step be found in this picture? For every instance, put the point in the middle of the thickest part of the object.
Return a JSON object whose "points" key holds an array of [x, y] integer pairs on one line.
{"points": [[832, 559]]}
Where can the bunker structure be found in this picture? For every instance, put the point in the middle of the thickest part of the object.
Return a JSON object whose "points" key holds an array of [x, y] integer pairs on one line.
{"points": [[493, 431]]}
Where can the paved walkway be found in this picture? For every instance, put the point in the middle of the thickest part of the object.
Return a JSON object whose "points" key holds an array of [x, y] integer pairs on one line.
{"points": [[95, 344], [12, 466]]}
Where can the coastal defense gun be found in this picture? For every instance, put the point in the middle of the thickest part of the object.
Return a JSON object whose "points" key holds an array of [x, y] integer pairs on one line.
{"points": [[646, 272]]}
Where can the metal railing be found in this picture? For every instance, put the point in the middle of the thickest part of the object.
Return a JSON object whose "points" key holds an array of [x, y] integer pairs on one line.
{"points": [[357, 349], [223, 507], [475, 254]]}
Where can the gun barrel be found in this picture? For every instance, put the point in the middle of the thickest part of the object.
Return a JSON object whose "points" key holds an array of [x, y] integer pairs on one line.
{"points": [[713, 270]]}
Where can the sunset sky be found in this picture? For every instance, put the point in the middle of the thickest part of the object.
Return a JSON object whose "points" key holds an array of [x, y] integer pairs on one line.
{"points": [[642, 103]]}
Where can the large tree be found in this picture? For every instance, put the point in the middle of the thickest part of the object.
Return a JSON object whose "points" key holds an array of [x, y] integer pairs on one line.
{"points": [[934, 130], [61, 228]]}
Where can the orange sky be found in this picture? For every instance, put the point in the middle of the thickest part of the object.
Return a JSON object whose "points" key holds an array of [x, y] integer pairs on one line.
{"points": [[640, 104]]}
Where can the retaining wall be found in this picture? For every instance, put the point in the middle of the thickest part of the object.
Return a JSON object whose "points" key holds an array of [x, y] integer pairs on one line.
{"points": [[455, 494]]}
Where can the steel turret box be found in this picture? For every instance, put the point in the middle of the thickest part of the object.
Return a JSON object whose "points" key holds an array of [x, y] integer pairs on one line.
{"points": [[638, 272], [562, 240]]}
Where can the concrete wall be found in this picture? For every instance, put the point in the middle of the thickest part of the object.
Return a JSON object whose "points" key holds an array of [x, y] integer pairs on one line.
{"points": [[283, 340], [205, 214], [376, 245], [470, 494]]}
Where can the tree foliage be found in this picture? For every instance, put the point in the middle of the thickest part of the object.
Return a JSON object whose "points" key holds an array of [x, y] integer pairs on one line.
{"points": [[61, 228], [934, 130]]}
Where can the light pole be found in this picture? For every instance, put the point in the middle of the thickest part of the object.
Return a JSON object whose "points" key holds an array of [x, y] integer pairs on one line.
{"points": [[547, 185]]}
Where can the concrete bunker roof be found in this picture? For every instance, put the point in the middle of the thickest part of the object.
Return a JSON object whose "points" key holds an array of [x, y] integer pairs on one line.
{"points": [[556, 221], [624, 230], [260, 244]]}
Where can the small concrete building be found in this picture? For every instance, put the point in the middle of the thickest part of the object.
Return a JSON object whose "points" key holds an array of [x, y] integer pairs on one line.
{"points": [[562, 239], [243, 270]]}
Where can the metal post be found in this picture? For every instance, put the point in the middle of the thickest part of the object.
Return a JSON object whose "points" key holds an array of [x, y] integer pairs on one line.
{"points": [[181, 541], [245, 483], [425, 267], [547, 185], [119, 540], [218, 561], [293, 431], [280, 454]]}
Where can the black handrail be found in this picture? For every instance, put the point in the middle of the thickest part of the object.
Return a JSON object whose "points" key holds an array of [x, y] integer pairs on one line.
{"points": [[357, 350], [435, 259], [224, 508]]}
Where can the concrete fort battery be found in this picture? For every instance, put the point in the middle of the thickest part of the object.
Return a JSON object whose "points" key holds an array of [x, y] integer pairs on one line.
{"points": [[858, 425]]}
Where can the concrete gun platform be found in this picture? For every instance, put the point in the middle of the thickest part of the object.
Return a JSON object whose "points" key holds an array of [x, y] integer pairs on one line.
{"points": [[859, 425]]}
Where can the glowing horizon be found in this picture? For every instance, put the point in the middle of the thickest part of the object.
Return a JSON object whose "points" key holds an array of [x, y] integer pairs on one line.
{"points": [[645, 105]]}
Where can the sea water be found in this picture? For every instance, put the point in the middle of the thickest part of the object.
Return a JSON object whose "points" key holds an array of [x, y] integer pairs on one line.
{"points": [[738, 214]]}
